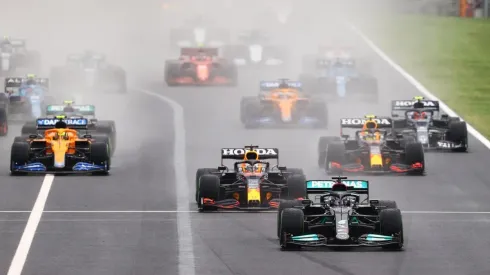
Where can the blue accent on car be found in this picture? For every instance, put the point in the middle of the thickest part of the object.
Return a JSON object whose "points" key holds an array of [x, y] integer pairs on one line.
{"points": [[85, 166], [327, 184], [305, 238], [374, 237], [31, 167]]}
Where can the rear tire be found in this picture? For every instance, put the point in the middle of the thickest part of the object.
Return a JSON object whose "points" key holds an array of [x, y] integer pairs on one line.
{"points": [[296, 186], [29, 128], [388, 204]]}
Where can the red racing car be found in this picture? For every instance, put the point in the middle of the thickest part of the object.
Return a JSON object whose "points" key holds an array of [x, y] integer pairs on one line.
{"points": [[200, 67]]}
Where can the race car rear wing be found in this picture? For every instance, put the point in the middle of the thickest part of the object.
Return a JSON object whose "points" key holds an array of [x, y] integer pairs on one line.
{"points": [[84, 110], [271, 85], [357, 123], [315, 188], [49, 123], [196, 51], [12, 83], [239, 153], [405, 105]]}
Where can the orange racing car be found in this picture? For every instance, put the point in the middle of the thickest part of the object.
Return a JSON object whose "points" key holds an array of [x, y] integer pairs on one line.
{"points": [[283, 103], [60, 149]]}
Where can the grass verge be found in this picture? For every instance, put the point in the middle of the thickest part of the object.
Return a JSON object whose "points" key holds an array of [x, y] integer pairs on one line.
{"points": [[450, 56]]}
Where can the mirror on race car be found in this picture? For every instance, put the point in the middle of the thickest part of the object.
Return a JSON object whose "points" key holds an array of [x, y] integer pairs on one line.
{"points": [[282, 168], [87, 136], [345, 136], [222, 168]]}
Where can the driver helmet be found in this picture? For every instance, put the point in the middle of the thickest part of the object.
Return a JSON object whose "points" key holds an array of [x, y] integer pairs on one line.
{"points": [[418, 102], [369, 124]]}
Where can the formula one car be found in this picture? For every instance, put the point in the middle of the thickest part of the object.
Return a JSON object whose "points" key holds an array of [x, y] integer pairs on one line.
{"points": [[339, 213], [423, 122], [95, 127], [60, 150], [200, 67], [374, 149], [252, 184], [339, 76], [283, 104], [25, 96], [88, 71], [14, 56], [253, 51]]}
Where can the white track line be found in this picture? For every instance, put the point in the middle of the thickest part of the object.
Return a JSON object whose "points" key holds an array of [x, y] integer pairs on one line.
{"points": [[220, 212], [186, 247], [421, 88], [32, 223]]}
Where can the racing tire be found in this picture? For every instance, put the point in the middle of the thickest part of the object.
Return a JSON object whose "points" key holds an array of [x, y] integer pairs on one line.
{"points": [[386, 204], [323, 143], [285, 204], [201, 172], [209, 187], [295, 171], [292, 221], [22, 138], [335, 153], [19, 155], [390, 223], [458, 133], [100, 155], [170, 72], [296, 186], [414, 152], [243, 107], [253, 110], [107, 128], [319, 110], [29, 128], [103, 138]]}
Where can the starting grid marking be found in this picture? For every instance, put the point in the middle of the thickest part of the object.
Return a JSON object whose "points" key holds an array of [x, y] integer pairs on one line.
{"points": [[221, 212]]}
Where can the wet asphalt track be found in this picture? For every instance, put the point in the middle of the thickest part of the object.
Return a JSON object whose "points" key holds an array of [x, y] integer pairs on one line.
{"points": [[143, 179]]}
